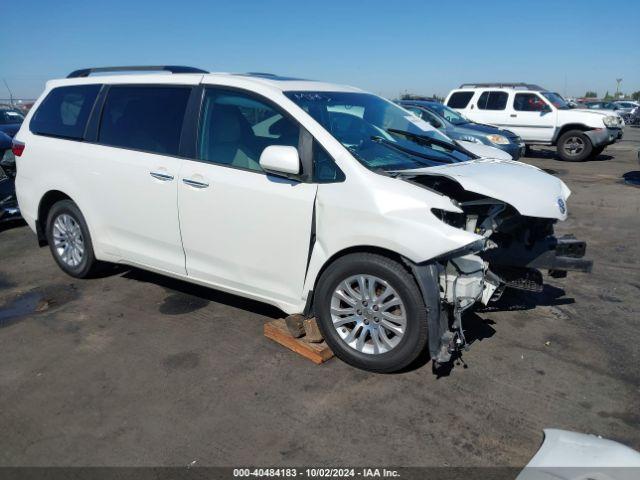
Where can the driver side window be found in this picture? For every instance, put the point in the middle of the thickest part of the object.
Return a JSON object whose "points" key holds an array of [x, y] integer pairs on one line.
{"points": [[528, 102], [235, 128]]}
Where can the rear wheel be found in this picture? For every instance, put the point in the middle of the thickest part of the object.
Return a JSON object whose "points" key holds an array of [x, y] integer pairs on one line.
{"points": [[574, 146], [69, 240], [371, 313]]}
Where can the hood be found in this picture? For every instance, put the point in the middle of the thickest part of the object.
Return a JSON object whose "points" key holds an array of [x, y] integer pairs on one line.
{"points": [[476, 128], [484, 151], [526, 188]]}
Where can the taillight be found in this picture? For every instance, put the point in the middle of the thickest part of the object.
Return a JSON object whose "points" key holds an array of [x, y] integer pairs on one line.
{"points": [[17, 148]]}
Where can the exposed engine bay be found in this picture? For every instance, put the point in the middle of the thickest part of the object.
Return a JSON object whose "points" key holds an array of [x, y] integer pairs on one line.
{"points": [[513, 252]]}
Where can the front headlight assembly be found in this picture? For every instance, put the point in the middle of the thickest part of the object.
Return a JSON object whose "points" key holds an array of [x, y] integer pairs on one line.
{"points": [[611, 121], [498, 139]]}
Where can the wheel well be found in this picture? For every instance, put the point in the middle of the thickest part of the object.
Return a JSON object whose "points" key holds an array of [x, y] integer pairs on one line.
{"points": [[347, 251], [48, 200], [570, 126]]}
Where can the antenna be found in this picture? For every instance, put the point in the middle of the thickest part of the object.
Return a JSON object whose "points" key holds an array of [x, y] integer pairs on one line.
{"points": [[10, 92]]}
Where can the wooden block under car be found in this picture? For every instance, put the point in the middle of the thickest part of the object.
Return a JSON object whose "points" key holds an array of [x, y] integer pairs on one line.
{"points": [[277, 331]]}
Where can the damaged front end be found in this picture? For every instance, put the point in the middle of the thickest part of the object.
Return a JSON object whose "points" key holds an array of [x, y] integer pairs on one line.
{"points": [[515, 248]]}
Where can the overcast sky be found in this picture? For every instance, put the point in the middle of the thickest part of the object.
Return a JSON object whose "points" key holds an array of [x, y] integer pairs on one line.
{"points": [[387, 47]]}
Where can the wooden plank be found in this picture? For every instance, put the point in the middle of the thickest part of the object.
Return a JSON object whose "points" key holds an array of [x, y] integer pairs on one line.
{"points": [[277, 331]]}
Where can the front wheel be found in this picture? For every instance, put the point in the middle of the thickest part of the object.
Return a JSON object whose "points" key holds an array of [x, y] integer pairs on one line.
{"points": [[371, 313], [574, 146]]}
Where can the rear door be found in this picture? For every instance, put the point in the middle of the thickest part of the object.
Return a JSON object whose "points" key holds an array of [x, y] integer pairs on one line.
{"points": [[531, 117], [134, 173], [242, 229], [489, 107]]}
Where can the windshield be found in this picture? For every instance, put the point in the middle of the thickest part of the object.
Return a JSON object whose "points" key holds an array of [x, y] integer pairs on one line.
{"points": [[556, 100], [378, 133], [9, 117], [448, 114]]}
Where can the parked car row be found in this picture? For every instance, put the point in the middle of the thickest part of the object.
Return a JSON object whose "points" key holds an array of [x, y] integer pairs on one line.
{"points": [[317, 198], [10, 121]]}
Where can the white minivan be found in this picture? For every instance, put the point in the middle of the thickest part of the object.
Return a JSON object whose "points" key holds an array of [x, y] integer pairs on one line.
{"points": [[317, 198]]}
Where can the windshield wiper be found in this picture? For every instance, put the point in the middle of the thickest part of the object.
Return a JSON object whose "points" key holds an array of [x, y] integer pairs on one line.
{"points": [[427, 140], [408, 151]]}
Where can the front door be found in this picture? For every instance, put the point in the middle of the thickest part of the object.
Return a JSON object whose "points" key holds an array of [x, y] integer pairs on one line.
{"points": [[531, 118], [244, 230]]}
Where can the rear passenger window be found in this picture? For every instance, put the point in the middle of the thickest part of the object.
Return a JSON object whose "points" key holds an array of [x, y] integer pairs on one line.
{"points": [[459, 99], [146, 118], [493, 100], [65, 111], [235, 129]]}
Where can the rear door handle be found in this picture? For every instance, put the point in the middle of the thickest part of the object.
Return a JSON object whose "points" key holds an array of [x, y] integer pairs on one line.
{"points": [[161, 176], [194, 184]]}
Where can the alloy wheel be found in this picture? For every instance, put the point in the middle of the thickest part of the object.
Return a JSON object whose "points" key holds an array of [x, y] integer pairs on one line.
{"points": [[368, 314], [68, 240]]}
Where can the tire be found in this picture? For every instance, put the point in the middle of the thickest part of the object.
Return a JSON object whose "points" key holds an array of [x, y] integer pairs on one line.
{"points": [[597, 151], [387, 345], [574, 146], [528, 151], [67, 226]]}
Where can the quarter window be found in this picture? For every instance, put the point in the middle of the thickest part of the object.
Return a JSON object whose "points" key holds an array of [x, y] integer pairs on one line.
{"points": [[528, 102], [146, 118], [235, 128], [495, 100], [459, 99], [65, 111]]}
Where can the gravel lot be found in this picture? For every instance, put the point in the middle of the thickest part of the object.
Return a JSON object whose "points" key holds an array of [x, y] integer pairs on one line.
{"points": [[137, 369]]}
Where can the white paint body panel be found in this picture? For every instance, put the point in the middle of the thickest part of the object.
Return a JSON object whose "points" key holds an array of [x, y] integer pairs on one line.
{"points": [[250, 233], [485, 151], [572, 456], [528, 189]]}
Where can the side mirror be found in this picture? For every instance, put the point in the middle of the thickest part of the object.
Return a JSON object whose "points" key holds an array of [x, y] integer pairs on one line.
{"points": [[280, 160]]}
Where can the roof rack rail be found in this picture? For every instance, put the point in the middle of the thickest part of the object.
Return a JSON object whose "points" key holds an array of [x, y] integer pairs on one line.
{"points": [[85, 72], [527, 86]]}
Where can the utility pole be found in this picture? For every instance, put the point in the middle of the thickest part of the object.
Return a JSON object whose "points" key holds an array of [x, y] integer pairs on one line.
{"points": [[618, 81], [10, 93]]}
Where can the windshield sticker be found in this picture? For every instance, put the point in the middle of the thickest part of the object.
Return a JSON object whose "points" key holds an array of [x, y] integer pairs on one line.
{"points": [[418, 122]]}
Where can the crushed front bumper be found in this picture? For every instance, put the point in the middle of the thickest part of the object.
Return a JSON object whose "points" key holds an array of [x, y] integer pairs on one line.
{"points": [[558, 255], [604, 136]]}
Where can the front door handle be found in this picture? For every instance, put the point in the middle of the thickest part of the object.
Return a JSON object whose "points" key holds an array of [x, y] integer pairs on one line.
{"points": [[161, 176], [513, 115], [194, 184]]}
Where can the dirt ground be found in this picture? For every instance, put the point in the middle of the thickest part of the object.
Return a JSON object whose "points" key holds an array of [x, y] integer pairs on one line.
{"points": [[137, 369]]}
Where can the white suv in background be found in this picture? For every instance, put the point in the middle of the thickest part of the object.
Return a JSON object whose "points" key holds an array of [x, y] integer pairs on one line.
{"points": [[539, 117], [317, 198]]}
